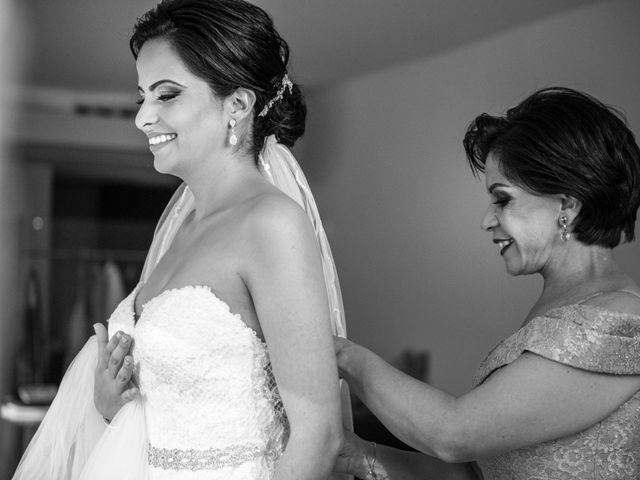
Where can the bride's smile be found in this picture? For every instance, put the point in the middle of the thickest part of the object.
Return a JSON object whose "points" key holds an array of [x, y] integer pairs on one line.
{"points": [[178, 112]]}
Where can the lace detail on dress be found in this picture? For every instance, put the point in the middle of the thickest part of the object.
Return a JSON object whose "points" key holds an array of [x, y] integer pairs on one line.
{"points": [[593, 339], [208, 388]]}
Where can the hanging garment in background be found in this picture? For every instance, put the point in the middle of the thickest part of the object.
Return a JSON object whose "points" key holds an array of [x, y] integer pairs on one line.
{"points": [[99, 293], [97, 297], [77, 330], [114, 288], [29, 362]]}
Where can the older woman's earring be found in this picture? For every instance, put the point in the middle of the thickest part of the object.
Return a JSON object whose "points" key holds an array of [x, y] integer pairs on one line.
{"points": [[564, 233], [233, 140]]}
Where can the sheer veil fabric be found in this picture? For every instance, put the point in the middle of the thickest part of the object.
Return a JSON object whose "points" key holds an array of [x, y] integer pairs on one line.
{"points": [[280, 167], [72, 442]]}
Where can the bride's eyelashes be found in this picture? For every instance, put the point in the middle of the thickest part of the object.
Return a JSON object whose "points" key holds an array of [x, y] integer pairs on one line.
{"points": [[163, 97]]}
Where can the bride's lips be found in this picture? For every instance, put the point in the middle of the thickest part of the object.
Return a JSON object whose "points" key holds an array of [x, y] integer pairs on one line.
{"points": [[158, 141]]}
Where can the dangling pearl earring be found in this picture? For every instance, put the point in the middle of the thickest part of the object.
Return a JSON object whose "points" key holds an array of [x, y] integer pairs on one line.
{"points": [[564, 233], [233, 140]]}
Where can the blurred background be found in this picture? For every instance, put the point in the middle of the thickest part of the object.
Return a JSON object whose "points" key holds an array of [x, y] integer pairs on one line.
{"points": [[391, 87]]}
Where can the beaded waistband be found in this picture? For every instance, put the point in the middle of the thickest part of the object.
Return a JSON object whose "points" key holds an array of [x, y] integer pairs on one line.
{"points": [[210, 459]]}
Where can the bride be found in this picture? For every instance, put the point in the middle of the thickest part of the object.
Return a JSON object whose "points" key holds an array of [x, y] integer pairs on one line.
{"points": [[228, 336]]}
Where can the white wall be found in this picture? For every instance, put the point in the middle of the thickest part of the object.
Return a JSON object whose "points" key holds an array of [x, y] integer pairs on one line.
{"points": [[402, 210]]}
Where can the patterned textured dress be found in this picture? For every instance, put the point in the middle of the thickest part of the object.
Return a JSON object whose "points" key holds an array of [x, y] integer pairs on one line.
{"points": [[592, 339], [211, 404]]}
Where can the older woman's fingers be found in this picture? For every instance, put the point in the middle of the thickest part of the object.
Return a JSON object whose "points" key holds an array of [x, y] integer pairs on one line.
{"points": [[117, 355], [339, 343]]}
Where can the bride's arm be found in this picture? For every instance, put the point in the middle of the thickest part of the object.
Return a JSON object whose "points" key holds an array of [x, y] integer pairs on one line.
{"points": [[285, 279]]}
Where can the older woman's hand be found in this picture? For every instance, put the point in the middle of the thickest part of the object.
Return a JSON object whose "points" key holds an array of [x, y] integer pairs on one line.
{"points": [[352, 459], [342, 346], [348, 356], [113, 375]]}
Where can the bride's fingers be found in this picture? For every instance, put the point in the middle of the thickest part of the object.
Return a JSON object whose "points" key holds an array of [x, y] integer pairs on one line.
{"points": [[102, 339], [124, 375], [130, 394], [104, 353], [118, 354]]}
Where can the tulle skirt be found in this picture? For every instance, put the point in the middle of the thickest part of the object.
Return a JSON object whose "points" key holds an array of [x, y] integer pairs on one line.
{"points": [[73, 442]]}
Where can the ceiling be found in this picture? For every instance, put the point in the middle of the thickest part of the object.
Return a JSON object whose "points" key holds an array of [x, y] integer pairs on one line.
{"points": [[82, 45]]}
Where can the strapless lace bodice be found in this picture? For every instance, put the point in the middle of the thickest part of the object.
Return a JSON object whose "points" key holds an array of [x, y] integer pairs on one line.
{"points": [[589, 338], [211, 403]]}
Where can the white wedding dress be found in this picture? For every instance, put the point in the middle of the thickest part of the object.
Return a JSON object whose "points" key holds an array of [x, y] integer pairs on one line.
{"points": [[212, 406]]}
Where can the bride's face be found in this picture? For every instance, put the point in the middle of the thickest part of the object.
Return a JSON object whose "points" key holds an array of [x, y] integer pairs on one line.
{"points": [[179, 113]]}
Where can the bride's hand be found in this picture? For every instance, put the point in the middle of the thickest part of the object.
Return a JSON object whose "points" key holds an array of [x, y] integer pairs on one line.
{"points": [[113, 375]]}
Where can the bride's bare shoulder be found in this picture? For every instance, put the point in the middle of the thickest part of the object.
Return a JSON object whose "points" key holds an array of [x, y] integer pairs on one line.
{"points": [[274, 209], [275, 222]]}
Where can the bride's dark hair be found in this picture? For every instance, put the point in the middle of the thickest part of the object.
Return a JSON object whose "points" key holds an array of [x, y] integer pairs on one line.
{"points": [[231, 44]]}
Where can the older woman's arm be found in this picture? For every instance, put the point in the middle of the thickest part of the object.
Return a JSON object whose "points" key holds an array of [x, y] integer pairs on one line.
{"points": [[530, 401]]}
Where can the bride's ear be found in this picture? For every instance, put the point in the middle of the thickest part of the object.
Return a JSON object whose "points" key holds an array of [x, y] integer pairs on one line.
{"points": [[241, 102]]}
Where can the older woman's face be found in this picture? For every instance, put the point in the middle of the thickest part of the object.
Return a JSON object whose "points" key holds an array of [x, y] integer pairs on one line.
{"points": [[524, 226]]}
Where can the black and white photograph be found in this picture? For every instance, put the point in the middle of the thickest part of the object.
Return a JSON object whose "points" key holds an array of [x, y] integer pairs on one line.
{"points": [[319, 240]]}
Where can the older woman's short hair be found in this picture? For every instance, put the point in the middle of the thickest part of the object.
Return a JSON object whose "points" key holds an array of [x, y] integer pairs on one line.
{"points": [[561, 141]]}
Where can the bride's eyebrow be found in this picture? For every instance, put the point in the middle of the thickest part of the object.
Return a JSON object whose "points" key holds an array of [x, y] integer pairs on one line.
{"points": [[158, 83]]}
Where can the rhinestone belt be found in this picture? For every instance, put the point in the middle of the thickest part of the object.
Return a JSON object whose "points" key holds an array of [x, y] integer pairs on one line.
{"points": [[211, 459]]}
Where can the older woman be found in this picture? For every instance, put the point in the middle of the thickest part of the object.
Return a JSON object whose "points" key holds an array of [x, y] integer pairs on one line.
{"points": [[560, 398]]}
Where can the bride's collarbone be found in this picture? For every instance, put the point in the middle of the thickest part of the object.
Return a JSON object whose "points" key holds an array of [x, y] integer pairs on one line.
{"points": [[208, 252], [217, 274]]}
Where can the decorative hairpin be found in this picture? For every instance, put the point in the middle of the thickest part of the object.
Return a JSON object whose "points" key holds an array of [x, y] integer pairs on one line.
{"points": [[284, 85]]}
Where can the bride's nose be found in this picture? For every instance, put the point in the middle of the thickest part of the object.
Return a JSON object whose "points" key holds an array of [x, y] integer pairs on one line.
{"points": [[146, 116]]}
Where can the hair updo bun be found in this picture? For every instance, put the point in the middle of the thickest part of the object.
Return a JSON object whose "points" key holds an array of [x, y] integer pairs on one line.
{"points": [[285, 118], [231, 44]]}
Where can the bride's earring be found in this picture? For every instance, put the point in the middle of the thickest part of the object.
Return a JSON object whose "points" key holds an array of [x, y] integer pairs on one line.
{"points": [[233, 140], [564, 233]]}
